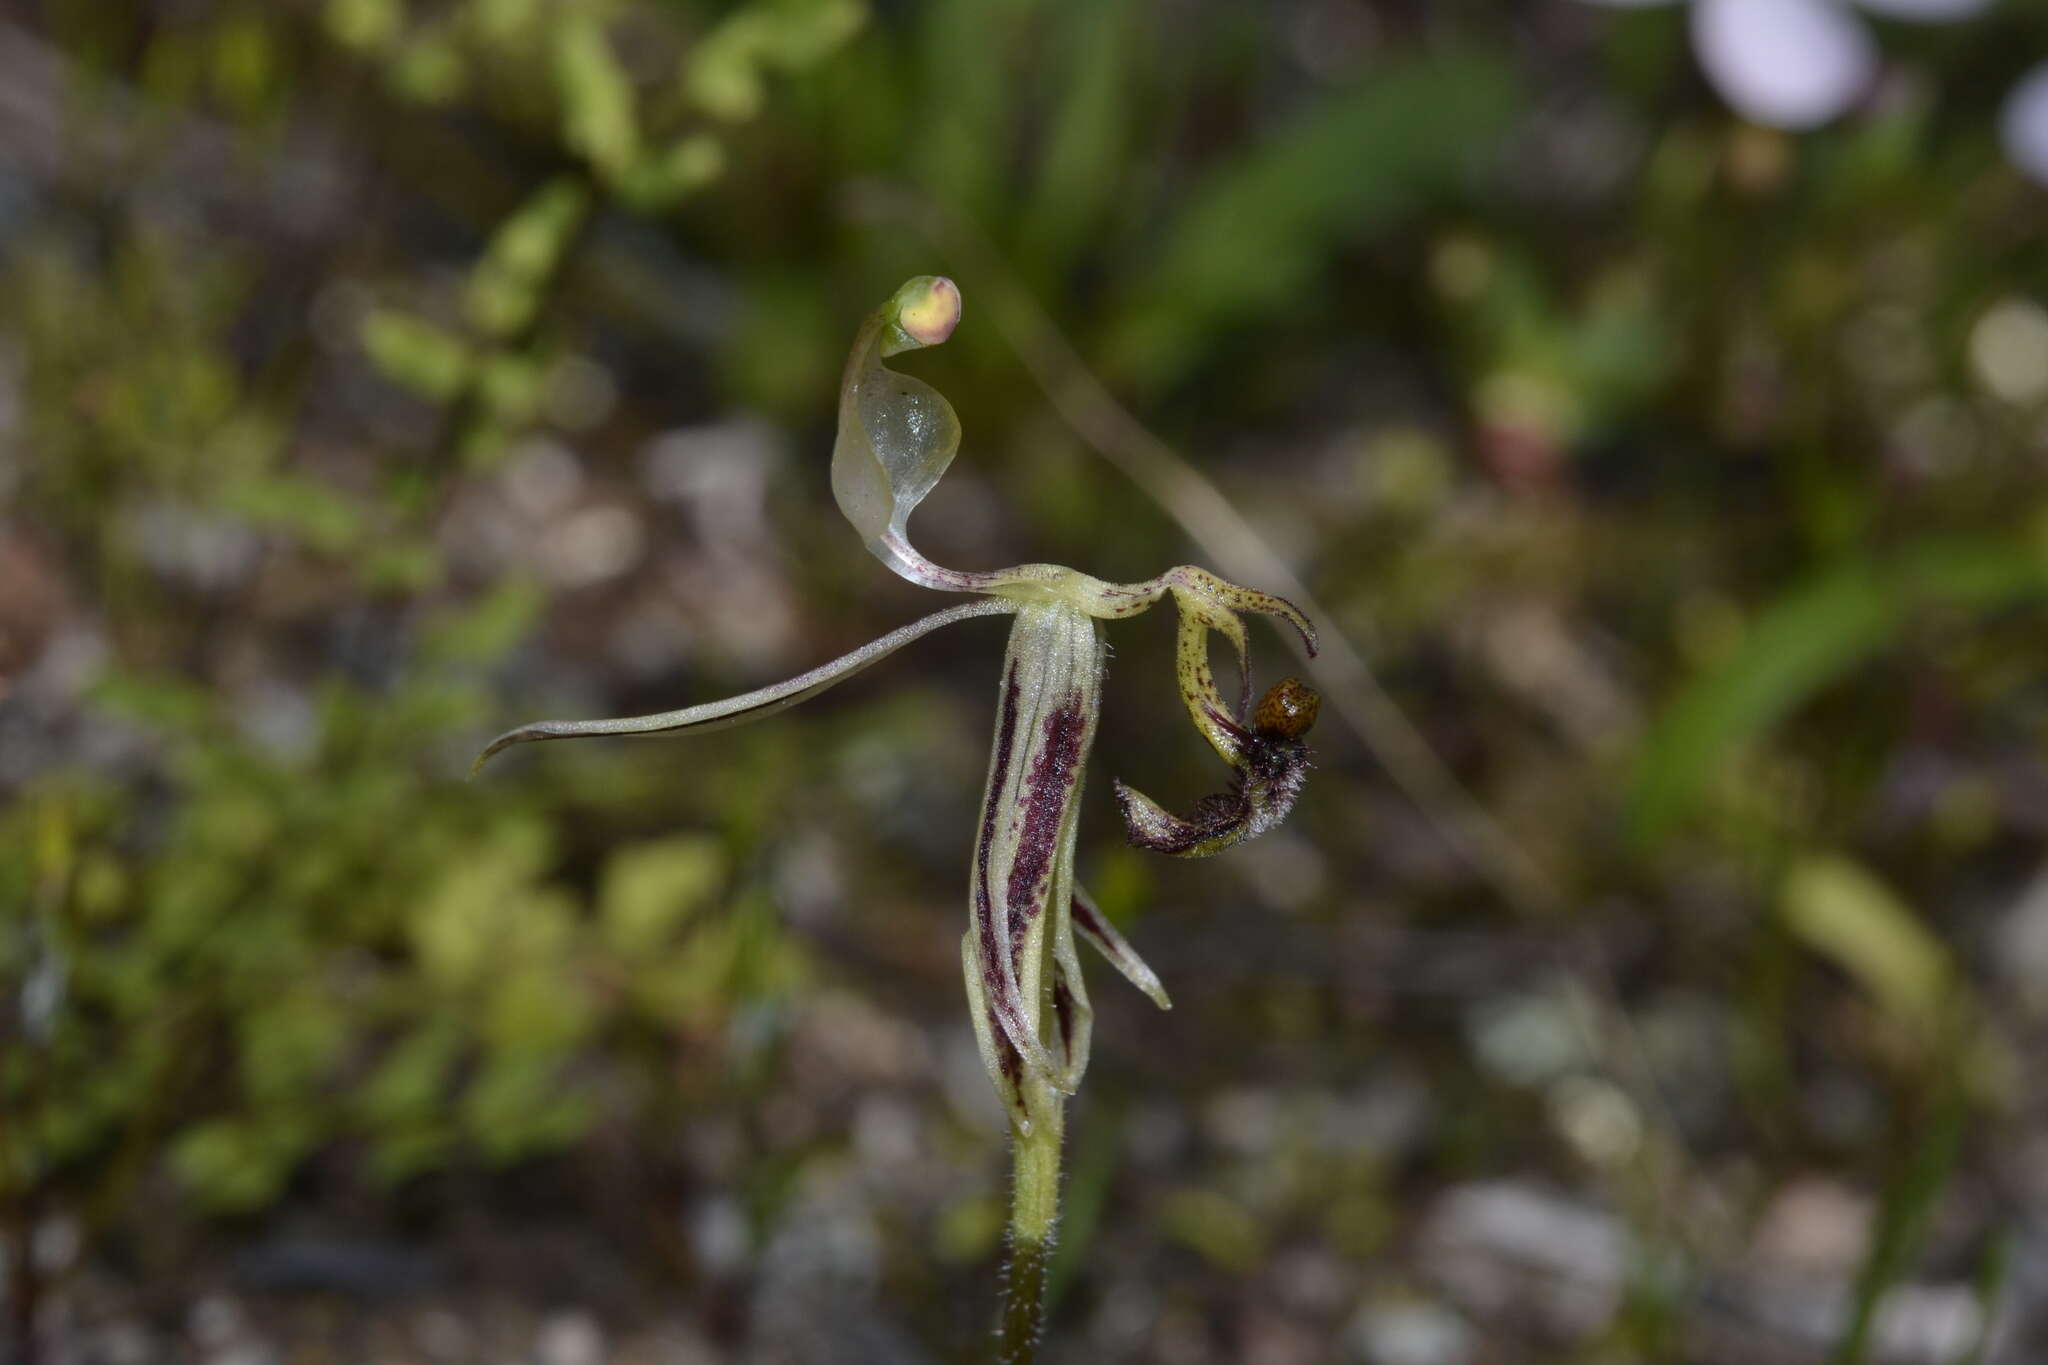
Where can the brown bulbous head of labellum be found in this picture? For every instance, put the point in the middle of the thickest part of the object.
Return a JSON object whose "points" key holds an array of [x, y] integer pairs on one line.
{"points": [[1287, 711], [897, 436]]}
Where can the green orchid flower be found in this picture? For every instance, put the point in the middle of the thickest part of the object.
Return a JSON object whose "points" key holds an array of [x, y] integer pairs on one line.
{"points": [[1030, 1008]]}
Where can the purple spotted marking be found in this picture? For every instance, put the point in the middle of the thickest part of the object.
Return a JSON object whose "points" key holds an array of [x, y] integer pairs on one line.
{"points": [[1063, 1014], [1047, 791], [1089, 919], [1006, 1056], [1002, 996]]}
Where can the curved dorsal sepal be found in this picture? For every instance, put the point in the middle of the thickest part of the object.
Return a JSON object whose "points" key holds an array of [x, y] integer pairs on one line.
{"points": [[897, 434]]}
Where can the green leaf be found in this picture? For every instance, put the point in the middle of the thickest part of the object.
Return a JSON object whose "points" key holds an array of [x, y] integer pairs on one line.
{"points": [[1226, 1233], [409, 1086], [503, 21], [164, 703], [969, 1229], [1254, 236], [504, 288], [288, 1044], [1813, 635], [401, 566], [598, 101], [724, 74], [1807, 638], [365, 25], [1086, 143], [542, 1005], [969, 73], [511, 386], [428, 69], [1841, 911], [484, 631], [311, 512], [518, 1105], [487, 906], [650, 889], [245, 63], [233, 1164], [662, 179], [424, 358], [1912, 1195]]}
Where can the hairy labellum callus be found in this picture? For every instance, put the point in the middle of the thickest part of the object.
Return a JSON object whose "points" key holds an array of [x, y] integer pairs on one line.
{"points": [[1271, 764], [1258, 798]]}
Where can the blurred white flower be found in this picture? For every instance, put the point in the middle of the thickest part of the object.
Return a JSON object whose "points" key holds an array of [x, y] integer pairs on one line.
{"points": [[1796, 64], [1785, 63], [2024, 125]]}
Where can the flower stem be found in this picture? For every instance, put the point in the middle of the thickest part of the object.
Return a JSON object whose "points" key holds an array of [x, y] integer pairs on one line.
{"points": [[1034, 1215]]}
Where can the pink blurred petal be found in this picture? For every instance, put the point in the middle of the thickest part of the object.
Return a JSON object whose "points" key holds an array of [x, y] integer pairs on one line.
{"points": [[1784, 63], [2024, 124]]}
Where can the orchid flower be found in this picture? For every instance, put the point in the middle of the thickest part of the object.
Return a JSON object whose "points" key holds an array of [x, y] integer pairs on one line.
{"points": [[1029, 1005]]}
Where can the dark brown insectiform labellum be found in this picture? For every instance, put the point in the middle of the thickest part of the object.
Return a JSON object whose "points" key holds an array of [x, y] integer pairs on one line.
{"points": [[1271, 764]]}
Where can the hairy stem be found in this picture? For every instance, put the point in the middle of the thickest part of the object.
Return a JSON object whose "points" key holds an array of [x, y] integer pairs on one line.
{"points": [[1034, 1215]]}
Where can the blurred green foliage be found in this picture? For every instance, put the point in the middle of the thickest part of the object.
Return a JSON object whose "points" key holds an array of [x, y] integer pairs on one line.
{"points": [[341, 948]]}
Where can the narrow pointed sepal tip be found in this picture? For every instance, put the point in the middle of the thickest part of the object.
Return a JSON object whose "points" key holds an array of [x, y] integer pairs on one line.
{"points": [[1091, 924], [499, 745], [1296, 617], [537, 731], [1276, 605], [928, 309]]}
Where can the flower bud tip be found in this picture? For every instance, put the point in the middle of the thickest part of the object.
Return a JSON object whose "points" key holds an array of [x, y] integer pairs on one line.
{"points": [[929, 309]]}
